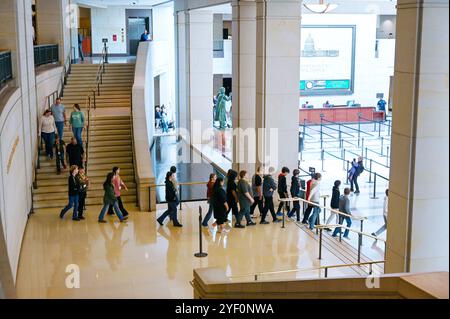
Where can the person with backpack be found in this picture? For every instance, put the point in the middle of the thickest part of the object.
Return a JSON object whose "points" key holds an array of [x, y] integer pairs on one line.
{"points": [[295, 193], [354, 173], [334, 204], [282, 190]]}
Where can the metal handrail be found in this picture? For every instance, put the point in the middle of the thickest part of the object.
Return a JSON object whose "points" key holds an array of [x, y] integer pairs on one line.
{"points": [[297, 199], [91, 100], [255, 275], [344, 125]]}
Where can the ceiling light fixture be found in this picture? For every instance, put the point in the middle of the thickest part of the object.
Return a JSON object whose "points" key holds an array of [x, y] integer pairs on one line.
{"points": [[320, 7]]}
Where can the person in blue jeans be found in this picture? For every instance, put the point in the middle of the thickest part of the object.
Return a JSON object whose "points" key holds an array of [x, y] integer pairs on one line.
{"points": [[59, 114], [109, 198], [77, 123], [314, 197], [172, 202], [344, 207], [74, 190], [209, 193]]}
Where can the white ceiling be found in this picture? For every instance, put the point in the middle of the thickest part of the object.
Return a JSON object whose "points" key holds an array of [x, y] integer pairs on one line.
{"points": [[380, 7], [122, 3]]}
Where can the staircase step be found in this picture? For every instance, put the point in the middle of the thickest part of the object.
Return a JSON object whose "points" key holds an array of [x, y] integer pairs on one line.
{"points": [[102, 167], [53, 180], [107, 155], [60, 203]]}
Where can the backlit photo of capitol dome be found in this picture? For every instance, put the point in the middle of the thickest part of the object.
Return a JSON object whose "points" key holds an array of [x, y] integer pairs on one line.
{"points": [[310, 51]]}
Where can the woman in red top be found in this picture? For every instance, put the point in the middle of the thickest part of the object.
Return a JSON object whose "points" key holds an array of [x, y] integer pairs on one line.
{"points": [[210, 186]]}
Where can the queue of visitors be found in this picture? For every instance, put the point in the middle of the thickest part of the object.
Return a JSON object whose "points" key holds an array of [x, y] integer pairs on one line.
{"points": [[241, 196]]}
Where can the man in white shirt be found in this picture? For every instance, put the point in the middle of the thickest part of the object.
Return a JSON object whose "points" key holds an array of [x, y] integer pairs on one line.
{"points": [[385, 213], [314, 196]]}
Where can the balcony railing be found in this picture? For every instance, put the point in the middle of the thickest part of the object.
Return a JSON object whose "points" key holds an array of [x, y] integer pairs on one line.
{"points": [[45, 54], [5, 67]]}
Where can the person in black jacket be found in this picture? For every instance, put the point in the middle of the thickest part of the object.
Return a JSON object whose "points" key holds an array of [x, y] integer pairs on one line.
{"points": [[172, 202], [334, 204], [282, 189], [74, 191], [232, 197], [295, 192], [269, 187], [220, 206]]}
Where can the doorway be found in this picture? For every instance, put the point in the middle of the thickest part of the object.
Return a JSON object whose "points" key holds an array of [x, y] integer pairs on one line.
{"points": [[136, 26]]}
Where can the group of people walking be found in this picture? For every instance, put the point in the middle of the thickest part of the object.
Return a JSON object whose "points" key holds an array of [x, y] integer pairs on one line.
{"points": [[241, 196], [51, 131], [78, 184]]}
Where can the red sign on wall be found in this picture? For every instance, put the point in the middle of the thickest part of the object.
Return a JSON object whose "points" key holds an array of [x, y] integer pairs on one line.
{"points": [[114, 37]]}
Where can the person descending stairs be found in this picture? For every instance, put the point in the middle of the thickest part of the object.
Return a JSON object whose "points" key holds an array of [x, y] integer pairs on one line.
{"points": [[110, 136]]}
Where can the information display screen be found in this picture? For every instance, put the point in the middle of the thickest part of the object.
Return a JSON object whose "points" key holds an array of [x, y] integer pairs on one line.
{"points": [[327, 63]]}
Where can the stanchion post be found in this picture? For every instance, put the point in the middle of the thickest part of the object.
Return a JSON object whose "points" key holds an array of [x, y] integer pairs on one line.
{"points": [[365, 157], [322, 155], [362, 147], [374, 186], [387, 156], [361, 228], [320, 243], [379, 129], [346, 172], [200, 253], [324, 209], [359, 247], [370, 168], [382, 145], [181, 197]]}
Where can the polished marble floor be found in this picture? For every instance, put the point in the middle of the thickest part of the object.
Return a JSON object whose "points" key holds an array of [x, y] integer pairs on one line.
{"points": [[140, 259]]}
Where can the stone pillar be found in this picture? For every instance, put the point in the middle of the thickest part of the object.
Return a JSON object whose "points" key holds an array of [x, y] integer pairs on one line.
{"points": [[277, 80], [200, 98], [53, 25], [16, 33], [244, 85], [182, 36], [417, 237]]}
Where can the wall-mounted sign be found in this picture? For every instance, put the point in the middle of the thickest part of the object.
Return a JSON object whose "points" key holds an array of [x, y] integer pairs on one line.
{"points": [[327, 64]]}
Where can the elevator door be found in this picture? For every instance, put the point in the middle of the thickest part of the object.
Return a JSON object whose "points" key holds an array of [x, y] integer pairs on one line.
{"points": [[136, 26]]}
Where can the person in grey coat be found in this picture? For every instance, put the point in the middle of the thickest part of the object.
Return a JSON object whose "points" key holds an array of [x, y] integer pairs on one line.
{"points": [[344, 207]]}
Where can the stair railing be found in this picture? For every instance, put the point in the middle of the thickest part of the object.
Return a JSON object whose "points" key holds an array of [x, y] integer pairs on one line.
{"points": [[91, 101], [49, 101]]}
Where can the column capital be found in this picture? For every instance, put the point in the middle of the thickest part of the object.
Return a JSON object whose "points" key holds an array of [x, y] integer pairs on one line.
{"points": [[409, 4]]}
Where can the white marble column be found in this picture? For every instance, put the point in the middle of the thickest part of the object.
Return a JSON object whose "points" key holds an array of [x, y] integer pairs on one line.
{"points": [[17, 36], [244, 85], [418, 221], [277, 80], [200, 99], [53, 25], [182, 37]]}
